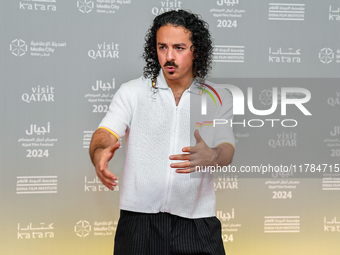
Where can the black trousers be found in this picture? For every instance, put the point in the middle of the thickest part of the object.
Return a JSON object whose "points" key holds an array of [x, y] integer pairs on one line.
{"points": [[167, 234]]}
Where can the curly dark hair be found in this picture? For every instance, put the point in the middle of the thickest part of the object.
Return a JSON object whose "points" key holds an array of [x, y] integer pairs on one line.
{"points": [[200, 37]]}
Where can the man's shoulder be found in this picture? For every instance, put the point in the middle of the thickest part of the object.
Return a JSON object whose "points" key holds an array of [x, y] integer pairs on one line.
{"points": [[136, 84], [133, 89]]}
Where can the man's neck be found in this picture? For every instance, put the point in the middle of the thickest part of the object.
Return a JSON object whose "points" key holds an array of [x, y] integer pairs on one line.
{"points": [[178, 85]]}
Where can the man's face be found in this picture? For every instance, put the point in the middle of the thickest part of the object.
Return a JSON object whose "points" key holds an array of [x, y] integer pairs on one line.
{"points": [[174, 54]]}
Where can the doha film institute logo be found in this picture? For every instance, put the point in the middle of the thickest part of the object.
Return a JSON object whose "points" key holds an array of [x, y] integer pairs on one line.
{"points": [[326, 55], [85, 6], [18, 47], [82, 228]]}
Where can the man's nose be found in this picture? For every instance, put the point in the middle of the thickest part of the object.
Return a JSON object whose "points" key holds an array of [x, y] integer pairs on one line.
{"points": [[169, 55]]}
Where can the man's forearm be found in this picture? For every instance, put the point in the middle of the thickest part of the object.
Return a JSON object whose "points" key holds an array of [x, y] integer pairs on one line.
{"points": [[101, 139]]}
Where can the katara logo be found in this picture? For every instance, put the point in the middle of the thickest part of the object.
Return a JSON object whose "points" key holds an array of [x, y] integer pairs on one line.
{"points": [[204, 99], [18, 47], [85, 6], [326, 55], [82, 228]]}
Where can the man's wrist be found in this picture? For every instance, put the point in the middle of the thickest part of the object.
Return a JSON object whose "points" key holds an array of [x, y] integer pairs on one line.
{"points": [[95, 152], [216, 155]]}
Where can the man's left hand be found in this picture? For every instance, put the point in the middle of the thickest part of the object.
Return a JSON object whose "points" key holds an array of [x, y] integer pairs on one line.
{"points": [[199, 155]]}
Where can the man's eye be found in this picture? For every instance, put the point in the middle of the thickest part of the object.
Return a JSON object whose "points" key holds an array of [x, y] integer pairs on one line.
{"points": [[180, 48], [162, 47]]}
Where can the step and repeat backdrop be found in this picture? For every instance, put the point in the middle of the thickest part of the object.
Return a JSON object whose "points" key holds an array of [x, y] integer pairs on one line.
{"points": [[62, 62]]}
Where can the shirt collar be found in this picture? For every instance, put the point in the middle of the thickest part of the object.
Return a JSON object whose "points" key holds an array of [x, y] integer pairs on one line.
{"points": [[162, 84]]}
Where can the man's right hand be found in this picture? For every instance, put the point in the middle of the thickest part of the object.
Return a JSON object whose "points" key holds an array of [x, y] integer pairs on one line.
{"points": [[102, 148], [101, 161]]}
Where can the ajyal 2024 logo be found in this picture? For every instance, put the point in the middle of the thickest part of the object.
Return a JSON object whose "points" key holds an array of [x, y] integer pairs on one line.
{"points": [[288, 97], [202, 89]]}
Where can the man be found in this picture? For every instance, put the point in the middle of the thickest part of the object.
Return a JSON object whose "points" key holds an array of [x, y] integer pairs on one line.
{"points": [[164, 209]]}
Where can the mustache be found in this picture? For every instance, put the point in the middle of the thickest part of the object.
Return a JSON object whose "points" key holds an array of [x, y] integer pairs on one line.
{"points": [[170, 63]]}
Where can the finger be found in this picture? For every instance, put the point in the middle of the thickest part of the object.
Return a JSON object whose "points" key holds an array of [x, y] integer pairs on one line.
{"points": [[186, 149], [112, 150], [181, 165], [107, 176], [197, 136], [107, 181], [103, 164], [180, 157], [109, 185], [115, 147], [103, 170], [186, 170]]}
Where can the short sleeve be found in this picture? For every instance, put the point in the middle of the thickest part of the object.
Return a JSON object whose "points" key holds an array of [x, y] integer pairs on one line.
{"points": [[118, 118], [223, 130]]}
